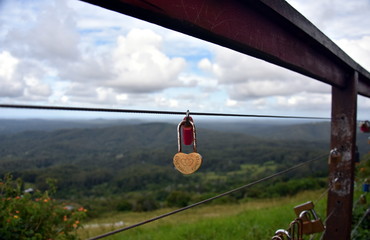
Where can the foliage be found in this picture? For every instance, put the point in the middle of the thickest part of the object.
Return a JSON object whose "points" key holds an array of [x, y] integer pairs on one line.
{"points": [[124, 205], [130, 168], [361, 220], [27, 215], [178, 199], [145, 204]]}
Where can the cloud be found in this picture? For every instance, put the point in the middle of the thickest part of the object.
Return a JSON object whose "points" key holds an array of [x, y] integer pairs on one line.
{"points": [[141, 66], [73, 53], [336, 18], [358, 49], [248, 78], [136, 64], [48, 36], [10, 85], [305, 101], [51, 47], [20, 79]]}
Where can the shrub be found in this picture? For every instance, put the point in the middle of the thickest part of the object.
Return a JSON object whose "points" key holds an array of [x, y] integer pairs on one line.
{"points": [[124, 205], [145, 204], [178, 199], [35, 215]]}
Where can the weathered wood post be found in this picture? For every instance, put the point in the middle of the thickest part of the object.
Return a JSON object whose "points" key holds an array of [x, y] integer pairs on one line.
{"points": [[341, 172]]}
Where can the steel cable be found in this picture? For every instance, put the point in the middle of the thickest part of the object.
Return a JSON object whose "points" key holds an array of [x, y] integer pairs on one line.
{"points": [[116, 110], [354, 231], [327, 218], [209, 199]]}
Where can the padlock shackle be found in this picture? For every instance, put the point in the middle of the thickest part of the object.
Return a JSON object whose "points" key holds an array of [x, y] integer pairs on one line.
{"points": [[276, 238], [282, 233], [179, 143], [308, 214], [296, 229]]}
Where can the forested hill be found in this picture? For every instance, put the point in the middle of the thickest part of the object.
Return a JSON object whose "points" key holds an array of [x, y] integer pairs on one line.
{"points": [[137, 157], [11, 126], [153, 143], [107, 153]]}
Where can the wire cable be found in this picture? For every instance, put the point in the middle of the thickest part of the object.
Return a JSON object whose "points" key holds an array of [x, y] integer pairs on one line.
{"points": [[209, 199], [116, 110], [354, 231], [358, 200], [326, 219], [316, 201], [322, 195]]}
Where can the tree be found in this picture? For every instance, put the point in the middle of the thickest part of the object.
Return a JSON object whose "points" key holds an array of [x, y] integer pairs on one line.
{"points": [[34, 214]]}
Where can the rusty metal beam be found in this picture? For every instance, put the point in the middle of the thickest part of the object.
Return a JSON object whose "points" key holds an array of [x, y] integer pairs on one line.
{"points": [[267, 29], [341, 171]]}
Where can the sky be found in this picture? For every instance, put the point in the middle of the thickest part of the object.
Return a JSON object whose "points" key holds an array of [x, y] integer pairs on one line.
{"points": [[70, 53]]}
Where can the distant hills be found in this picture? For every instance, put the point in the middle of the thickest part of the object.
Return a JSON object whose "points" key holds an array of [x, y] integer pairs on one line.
{"points": [[9, 126], [102, 157]]}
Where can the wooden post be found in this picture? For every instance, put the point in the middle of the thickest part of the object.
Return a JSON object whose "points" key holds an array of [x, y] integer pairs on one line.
{"points": [[341, 172]]}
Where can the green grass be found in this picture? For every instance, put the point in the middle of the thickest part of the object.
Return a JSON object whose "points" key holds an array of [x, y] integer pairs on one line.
{"points": [[253, 219]]}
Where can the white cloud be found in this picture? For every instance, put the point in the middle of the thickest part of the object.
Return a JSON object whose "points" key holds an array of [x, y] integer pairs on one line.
{"points": [[305, 101], [19, 79], [337, 18], [141, 66], [47, 36], [70, 52], [135, 64], [10, 85], [248, 78], [358, 49]]}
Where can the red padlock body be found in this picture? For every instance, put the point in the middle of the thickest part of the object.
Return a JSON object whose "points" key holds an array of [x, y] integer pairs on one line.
{"points": [[364, 128], [187, 133]]}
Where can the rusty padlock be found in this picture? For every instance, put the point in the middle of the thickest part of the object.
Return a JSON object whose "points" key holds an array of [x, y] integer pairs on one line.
{"points": [[334, 156], [337, 184], [281, 234], [311, 222], [296, 229], [363, 199]]}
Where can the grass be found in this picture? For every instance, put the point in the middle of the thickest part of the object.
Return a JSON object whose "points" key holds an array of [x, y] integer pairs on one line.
{"points": [[252, 219]]}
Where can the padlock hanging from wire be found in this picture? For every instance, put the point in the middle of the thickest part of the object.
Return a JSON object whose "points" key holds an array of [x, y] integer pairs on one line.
{"points": [[311, 222], [187, 163], [365, 126]]}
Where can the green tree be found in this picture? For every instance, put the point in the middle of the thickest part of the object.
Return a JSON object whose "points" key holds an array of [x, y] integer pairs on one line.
{"points": [[27, 215]]}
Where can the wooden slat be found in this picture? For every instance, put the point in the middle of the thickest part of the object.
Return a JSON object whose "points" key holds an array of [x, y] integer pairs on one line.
{"points": [[341, 173]]}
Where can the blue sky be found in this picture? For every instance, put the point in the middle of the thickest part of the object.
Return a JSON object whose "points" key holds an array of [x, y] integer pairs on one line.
{"points": [[70, 53]]}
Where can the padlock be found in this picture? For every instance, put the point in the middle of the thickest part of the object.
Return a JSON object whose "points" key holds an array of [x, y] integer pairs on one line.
{"points": [[311, 222], [365, 126], [363, 200], [337, 185], [366, 186], [187, 163], [296, 229], [313, 225], [187, 130], [281, 234], [334, 156]]}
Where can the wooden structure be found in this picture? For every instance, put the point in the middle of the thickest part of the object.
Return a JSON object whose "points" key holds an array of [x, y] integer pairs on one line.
{"points": [[275, 32]]}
